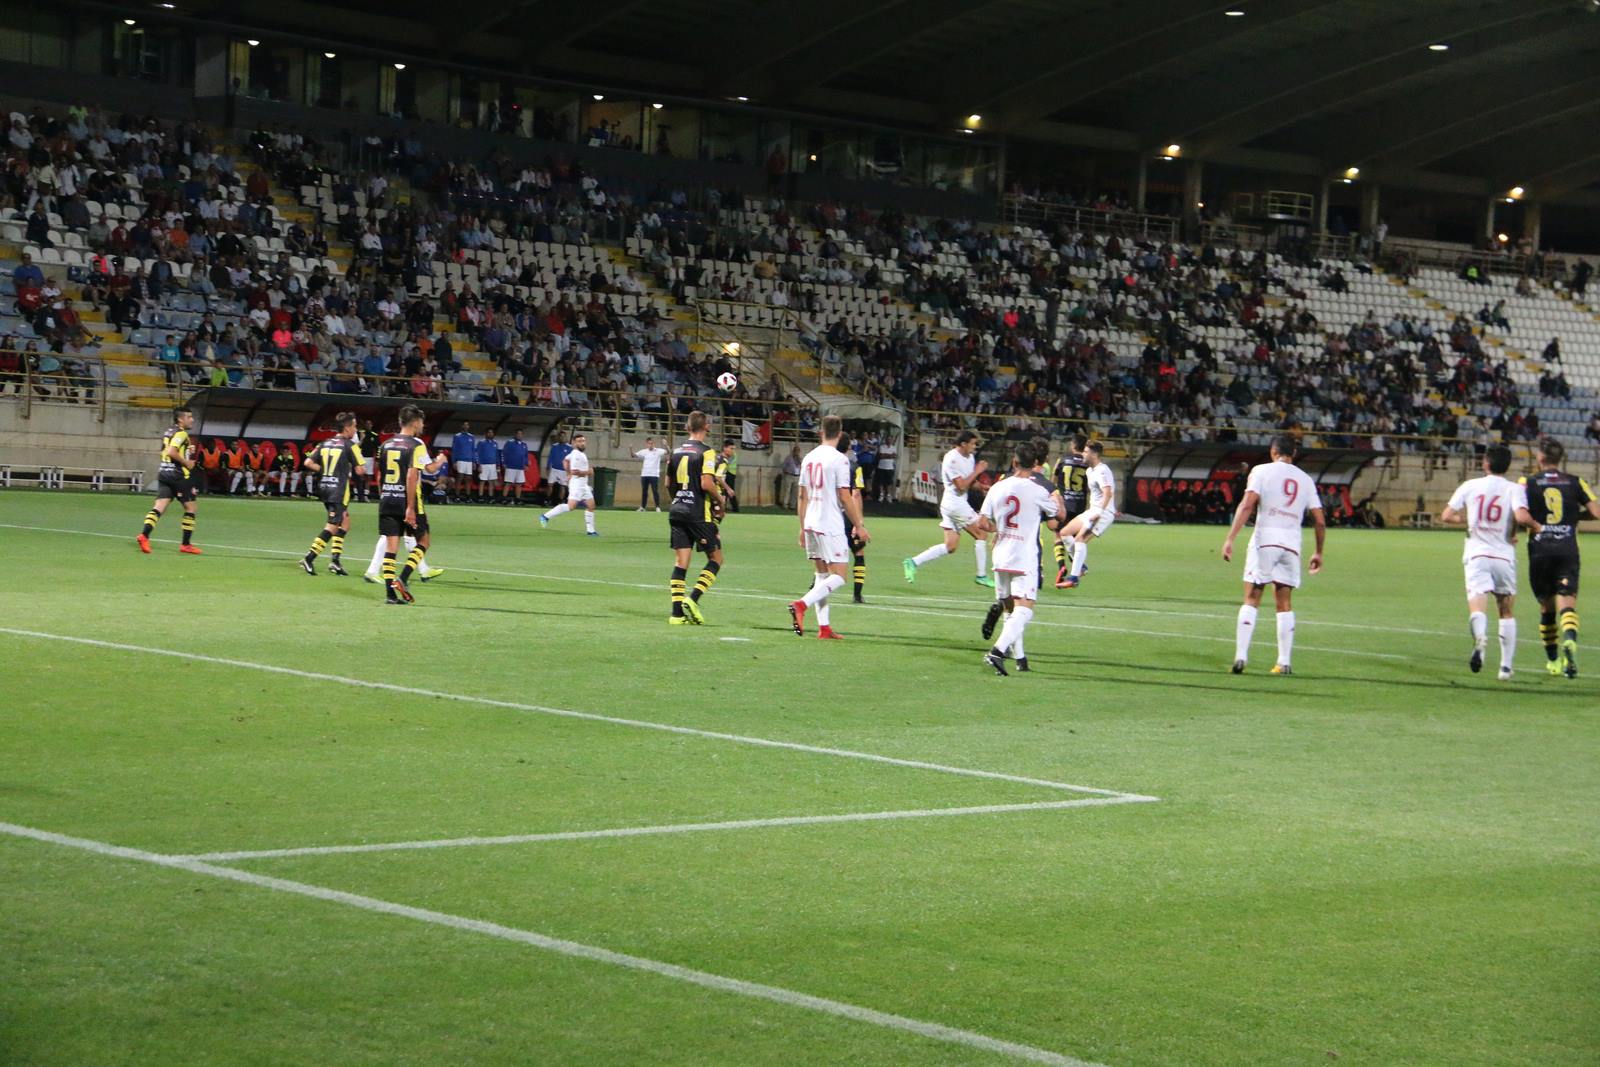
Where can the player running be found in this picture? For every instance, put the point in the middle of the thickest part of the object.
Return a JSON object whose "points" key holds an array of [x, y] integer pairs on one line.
{"points": [[697, 506], [1558, 502], [1284, 494], [401, 508], [825, 499], [1491, 507], [1012, 510], [1100, 486], [337, 459], [1071, 476], [576, 466], [958, 470], [174, 480]]}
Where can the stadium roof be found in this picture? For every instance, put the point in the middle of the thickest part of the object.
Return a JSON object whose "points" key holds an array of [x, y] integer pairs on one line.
{"points": [[1306, 85]]}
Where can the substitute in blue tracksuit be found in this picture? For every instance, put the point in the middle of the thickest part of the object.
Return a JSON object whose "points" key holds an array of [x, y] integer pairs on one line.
{"points": [[488, 466], [464, 458], [515, 459]]}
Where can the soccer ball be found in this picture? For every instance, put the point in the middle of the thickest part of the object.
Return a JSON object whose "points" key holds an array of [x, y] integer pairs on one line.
{"points": [[727, 381]]}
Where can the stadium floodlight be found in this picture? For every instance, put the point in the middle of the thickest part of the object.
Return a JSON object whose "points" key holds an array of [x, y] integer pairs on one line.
{"points": [[1352, 173], [1438, 48]]}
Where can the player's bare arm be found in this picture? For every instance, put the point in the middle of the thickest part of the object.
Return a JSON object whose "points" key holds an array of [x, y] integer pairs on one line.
{"points": [[1526, 520], [852, 507], [413, 482], [1320, 528], [800, 512], [1241, 515]]}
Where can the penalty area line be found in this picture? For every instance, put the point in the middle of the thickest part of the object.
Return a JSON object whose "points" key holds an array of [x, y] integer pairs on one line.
{"points": [[568, 713], [948, 1035], [668, 828]]}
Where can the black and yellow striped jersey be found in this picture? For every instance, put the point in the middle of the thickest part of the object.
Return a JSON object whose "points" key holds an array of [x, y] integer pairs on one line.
{"points": [[1072, 482], [339, 458], [400, 454], [1558, 500], [689, 461], [178, 439]]}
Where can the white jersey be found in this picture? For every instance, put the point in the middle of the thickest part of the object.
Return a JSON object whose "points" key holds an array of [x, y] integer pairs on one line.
{"points": [[1489, 504], [1100, 481], [650, 458], [577, 465], [824, 471], [1286, 493], [956, 466], [1015, 505]]}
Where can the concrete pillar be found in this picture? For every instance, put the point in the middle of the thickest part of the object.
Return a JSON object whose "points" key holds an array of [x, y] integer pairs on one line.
{"points": [[1532, 221], [360, 84], [296, 75], [1319, 221], [211, 64], [1370, 199], [87, 42], [1141, 180], [433, 95], [1193, 194], [1488, 219]]}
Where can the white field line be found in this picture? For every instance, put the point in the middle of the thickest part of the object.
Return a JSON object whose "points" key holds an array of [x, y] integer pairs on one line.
{"points": [[725, 591], [567, 713], [775, 994], [670, 828]]}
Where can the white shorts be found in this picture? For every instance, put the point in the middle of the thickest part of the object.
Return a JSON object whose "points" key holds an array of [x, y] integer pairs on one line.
{"points": [[1487, 574], [488, 472], [465, 467], [580, 491], [1096, 521], [368, 467], [1272, 565], [515, 477], [831, 547], [956, 514], [1011, 583], [558, 477]]}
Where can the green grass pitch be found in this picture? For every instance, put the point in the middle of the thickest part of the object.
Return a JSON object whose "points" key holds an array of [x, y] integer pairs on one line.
{"points": [[1383, 859]]}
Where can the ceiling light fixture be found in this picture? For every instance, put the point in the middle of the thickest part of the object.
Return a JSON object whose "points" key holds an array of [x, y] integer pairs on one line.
{"points": [[130, 22], [169, 7], [742, 99], [1173, 151], [252, 42], [658, 107], [1502, 238], [1517, 192], [399, 66], [599, 97], [1352, 173], [1234, 13], [813, 157], [974, 120], [330, 55], [1438, 48]]}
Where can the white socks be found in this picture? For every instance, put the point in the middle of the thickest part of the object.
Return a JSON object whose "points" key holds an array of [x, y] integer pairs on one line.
{"points": [[1478, 622], [982, 550], [1080, 556], [588, 520], [1011, 632], [407, 544], [821, 586], [1508, 644], [1244, 631], [1285, 637], [928, 555], [559, 509]]}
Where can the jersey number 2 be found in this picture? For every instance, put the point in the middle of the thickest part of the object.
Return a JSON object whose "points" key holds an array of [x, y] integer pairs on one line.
{"points": [[1012, 506]]}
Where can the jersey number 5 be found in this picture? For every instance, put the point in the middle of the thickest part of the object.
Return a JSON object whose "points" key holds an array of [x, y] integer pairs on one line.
{"points": [[391, 466]]}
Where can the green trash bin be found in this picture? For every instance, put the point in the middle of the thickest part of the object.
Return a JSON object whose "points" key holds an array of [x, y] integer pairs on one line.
{"points": [[605, 487]]}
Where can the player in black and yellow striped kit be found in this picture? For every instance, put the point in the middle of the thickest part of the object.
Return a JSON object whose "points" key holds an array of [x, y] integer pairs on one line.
{"points": [[175, 480], [402, 509], [858, 549], [1559, 501], [337, 459], [1072, 482], [697, 506]]}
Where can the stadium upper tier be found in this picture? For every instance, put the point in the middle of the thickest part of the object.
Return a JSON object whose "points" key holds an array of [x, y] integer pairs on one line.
{"points": [[478, 282]]}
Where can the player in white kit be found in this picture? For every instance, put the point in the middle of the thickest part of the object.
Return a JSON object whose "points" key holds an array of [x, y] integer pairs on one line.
{"points": [[1491, 507], [958, 470], [576, 466], [1013, 509], [826, 500], [1283, 493], [1097, 517]]}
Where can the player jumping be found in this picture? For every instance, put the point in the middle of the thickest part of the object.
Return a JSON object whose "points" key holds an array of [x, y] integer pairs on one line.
{"points": [[1101, 488], [1072, 482], [958, 470], [825, 498], [1284, 493], [1558, 501], [174, 480], [1491, 507]]}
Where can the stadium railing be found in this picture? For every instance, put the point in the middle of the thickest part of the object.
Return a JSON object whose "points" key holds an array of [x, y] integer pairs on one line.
{"points": [[1027, 211]]}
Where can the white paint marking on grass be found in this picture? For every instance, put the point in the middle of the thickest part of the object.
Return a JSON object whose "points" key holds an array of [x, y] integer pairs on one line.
{"points": [[734, 591], [745, 639], [775, 994], [567, 713], [669, 828]]}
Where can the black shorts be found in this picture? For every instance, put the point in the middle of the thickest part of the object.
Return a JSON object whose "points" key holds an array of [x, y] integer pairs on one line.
{"points": [[701, 536], [392, 525], [856, 547], [172, 489], [1074, 509], [337, 501], [1553, 576]]}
